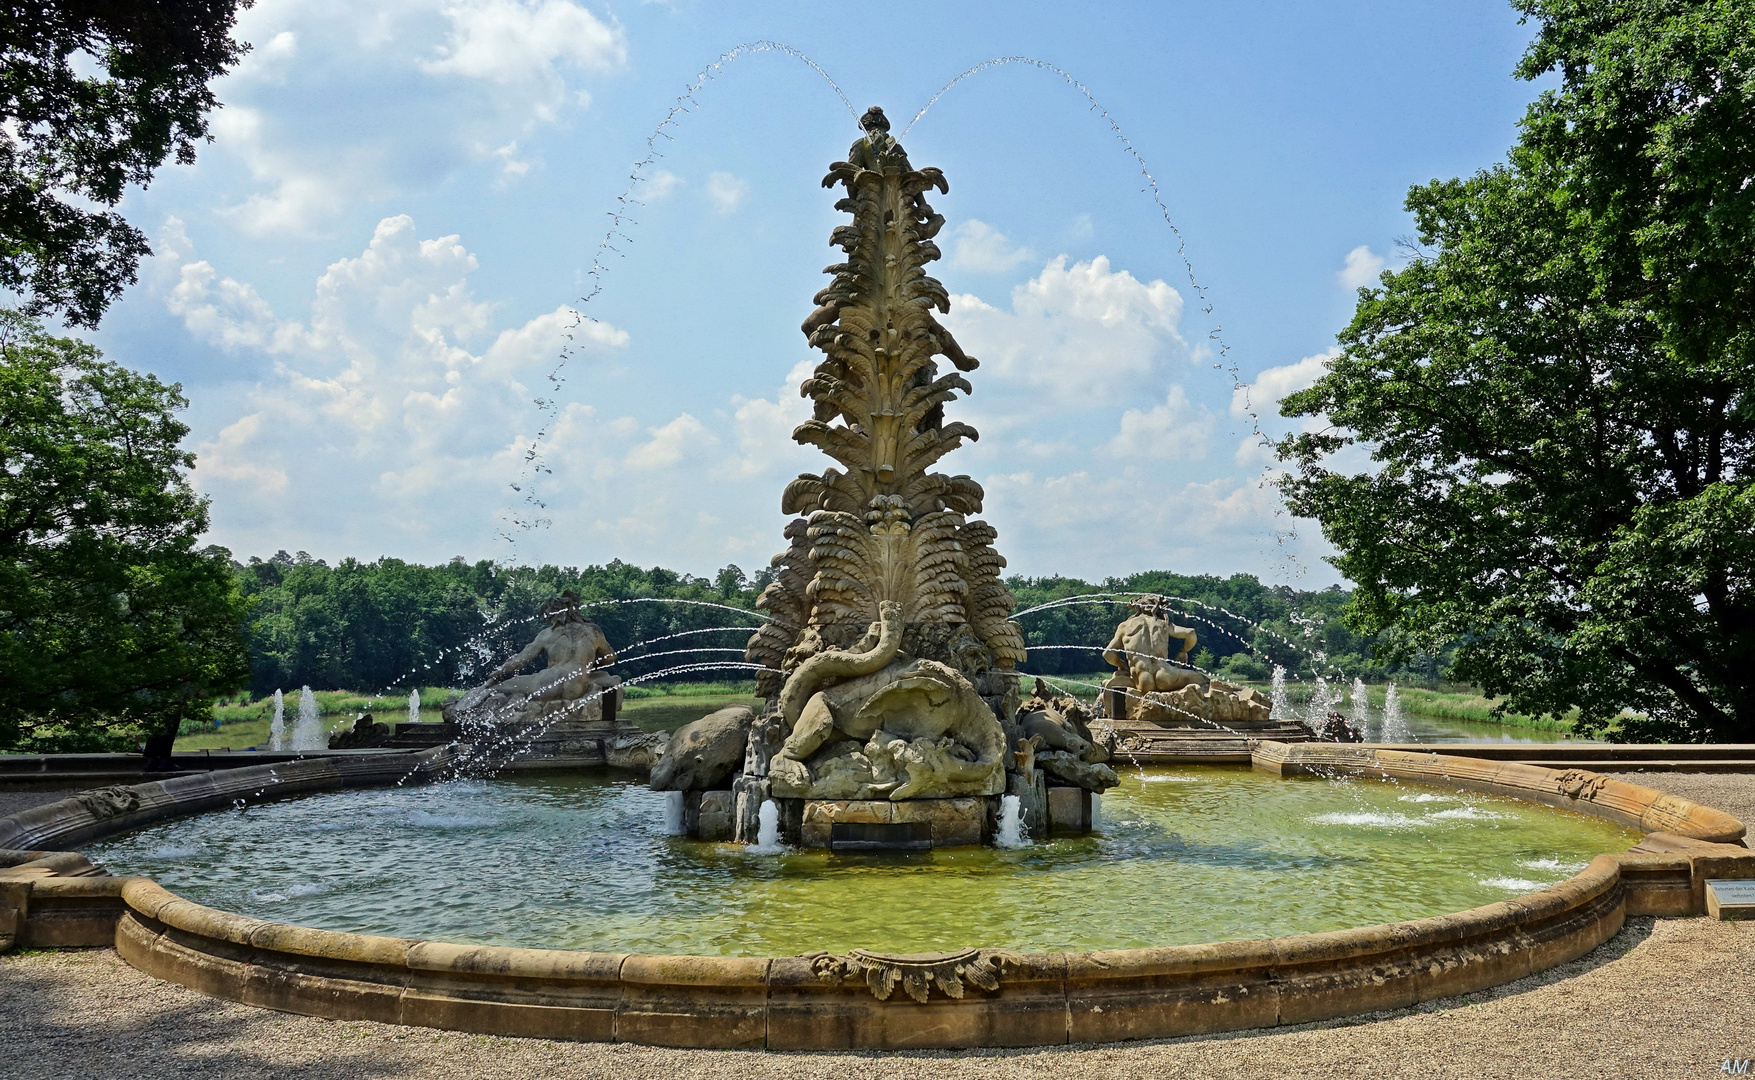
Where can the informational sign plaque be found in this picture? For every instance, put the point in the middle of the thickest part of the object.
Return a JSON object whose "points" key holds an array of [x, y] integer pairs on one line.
{"points": [[1730, 899]]}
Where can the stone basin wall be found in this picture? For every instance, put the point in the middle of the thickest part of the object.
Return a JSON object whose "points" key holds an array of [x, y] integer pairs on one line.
{"points": [[983, 997]]}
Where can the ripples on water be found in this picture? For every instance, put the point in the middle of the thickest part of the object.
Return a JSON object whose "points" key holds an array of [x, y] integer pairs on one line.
{"points": [[1185, 855]]}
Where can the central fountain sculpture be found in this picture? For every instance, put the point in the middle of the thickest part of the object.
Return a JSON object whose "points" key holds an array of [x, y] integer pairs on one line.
{"points": [[888, 656]]}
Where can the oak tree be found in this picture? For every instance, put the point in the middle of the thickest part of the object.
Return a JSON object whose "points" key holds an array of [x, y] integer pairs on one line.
{"points": [[95, 95], [1556, 391]]}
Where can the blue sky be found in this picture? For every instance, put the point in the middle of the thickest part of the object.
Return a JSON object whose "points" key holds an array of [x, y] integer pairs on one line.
{"points": [[363, 282]]}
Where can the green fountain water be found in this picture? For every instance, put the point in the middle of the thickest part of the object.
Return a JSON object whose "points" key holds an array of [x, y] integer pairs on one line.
{"points": [[578, 862]]}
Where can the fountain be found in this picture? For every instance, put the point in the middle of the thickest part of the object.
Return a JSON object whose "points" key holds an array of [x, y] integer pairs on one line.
{"points": [[414, 706], [892, 718], [277, 726], [308, 733], [1361, 704], [1011, 821], [1280, 703], [1395, 722], [768, 834], [891, 700]]}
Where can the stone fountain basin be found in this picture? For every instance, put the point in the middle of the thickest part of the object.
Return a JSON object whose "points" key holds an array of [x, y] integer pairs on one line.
{"points": [[982, 997]]}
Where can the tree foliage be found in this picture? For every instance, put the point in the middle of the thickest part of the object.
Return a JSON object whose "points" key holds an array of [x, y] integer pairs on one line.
{"points": [[113, 624], [1556, 390], [1245, 626], [389, 625], [95, 95]]}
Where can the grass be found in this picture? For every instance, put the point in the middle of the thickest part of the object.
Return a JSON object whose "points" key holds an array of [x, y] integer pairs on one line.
{"points": [[1451, 702], [329, 703], [668, 706], [1080, 686], [667, 712], [745, 688], [241, 724]]}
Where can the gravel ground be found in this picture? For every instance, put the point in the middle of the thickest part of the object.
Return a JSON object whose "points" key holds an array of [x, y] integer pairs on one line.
{"points": [[1664, 998], [11, 802]]}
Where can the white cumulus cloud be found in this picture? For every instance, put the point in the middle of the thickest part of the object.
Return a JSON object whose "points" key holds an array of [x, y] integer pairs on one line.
{"points": [[341, 104], [980, 248], [660, 185], [682, 438], [507, 42], [1361, 269], [1263, 396], [726, 192], [1084, 334], [394, 415], [1176, 430]]}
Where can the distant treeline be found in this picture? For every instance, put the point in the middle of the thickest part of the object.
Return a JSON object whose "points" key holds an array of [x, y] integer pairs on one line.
{"points": [[385, 625], [1245, 627]]}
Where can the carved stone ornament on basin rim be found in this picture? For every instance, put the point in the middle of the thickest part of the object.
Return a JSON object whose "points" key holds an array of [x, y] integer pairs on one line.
{"points": [[918, 973]]}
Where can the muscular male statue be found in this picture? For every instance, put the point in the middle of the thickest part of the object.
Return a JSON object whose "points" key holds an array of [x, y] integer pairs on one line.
{"points": [[575, 649], [1140, 649]]}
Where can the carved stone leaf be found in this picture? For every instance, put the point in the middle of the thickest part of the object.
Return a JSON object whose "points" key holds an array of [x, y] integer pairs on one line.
{"points": [[914, 981], [882, 980], [881, 528], [110, 801], [983, 972]]}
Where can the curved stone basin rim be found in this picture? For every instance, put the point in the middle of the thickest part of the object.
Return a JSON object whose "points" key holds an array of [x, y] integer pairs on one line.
{"points": [[983, 998]]}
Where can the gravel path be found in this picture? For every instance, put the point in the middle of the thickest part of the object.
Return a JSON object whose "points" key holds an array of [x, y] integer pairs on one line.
{"points": [[11, 802], [1664, 998]]}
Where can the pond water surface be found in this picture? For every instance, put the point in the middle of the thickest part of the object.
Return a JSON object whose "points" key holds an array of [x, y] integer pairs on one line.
{"points": [[1183, 855]]}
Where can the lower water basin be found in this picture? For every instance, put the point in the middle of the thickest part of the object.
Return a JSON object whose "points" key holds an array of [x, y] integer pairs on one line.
{"points": [[1182, 855]]}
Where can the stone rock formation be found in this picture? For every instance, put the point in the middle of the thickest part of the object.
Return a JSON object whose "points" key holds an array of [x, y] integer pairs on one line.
{"points": [[703, 754], [888, 648], [1217, 704], [365, 733], [1058, 730], [1335, 728]]}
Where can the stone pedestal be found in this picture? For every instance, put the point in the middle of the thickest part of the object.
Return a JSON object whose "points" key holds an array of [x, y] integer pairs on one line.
{"points": [[571, 744], [1116, 691], [709, 815], [747, 795], [944, 822], [1069, 810]]}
